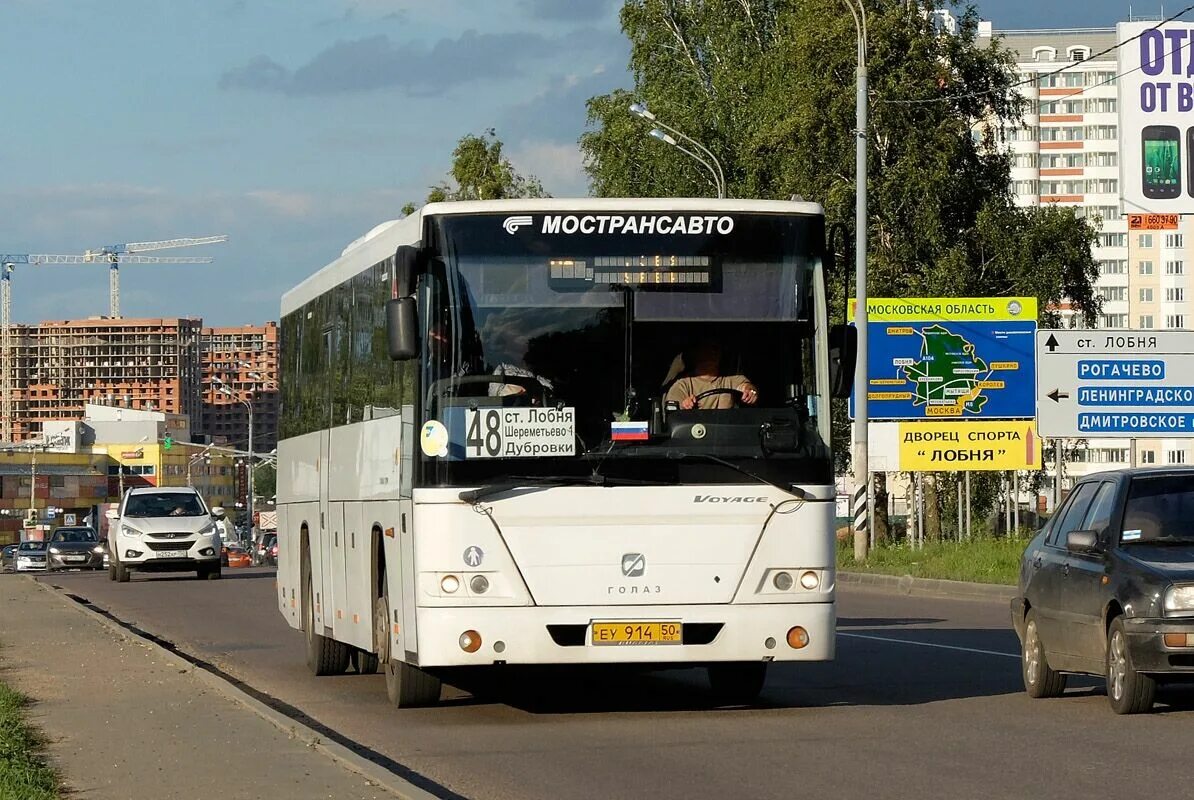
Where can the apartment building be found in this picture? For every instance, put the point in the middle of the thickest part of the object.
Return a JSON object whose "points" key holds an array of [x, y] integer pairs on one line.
{"points": [[61, 366], [1068, 154], [244, 361]]}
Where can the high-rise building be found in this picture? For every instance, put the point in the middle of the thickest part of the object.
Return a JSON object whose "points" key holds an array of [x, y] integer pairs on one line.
{"points": [[243, 361], [60, 366], [1068, 154]]}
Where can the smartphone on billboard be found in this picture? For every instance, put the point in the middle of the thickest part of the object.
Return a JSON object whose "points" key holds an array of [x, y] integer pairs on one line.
{"points": [[1190, 161], [1162, 162]]}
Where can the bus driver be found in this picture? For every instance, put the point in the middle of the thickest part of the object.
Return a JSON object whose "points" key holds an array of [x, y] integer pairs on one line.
{"points": [[702, 374]]}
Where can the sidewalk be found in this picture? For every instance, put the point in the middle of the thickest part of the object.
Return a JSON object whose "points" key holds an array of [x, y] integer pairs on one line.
{"points": [[123, 721]]}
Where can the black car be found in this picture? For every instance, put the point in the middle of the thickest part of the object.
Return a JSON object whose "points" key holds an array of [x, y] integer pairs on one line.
{"points": [[75, 548], [1107, 588], [8, 556]]}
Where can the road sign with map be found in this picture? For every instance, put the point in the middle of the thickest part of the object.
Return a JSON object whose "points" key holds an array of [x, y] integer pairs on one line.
{"points": [[951, 358]]}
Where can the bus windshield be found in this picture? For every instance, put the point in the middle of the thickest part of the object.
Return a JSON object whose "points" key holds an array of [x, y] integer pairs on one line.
{"points": [[550, 352]]}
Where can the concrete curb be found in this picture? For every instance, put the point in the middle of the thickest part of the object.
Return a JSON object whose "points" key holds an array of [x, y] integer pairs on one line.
{"points": [[906, 584], [342, 755]]}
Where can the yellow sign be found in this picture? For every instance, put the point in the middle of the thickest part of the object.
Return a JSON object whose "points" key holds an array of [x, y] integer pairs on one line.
{"points": [[947, 309], [1152, 222], [965, 446]]}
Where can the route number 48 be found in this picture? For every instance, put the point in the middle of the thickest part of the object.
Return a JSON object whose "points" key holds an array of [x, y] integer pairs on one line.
{"points": [[488, 442]]}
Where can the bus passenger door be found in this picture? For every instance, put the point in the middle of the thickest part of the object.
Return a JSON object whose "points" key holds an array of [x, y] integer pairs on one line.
{"points": [[325, 603]]}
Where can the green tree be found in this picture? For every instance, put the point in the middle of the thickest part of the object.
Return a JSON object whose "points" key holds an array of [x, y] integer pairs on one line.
{"points": [[480, 171], [265, 480], [768, 87]]}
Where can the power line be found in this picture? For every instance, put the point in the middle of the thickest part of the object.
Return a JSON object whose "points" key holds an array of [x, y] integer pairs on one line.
{"points": [[1039, 76], [1115, 77]]}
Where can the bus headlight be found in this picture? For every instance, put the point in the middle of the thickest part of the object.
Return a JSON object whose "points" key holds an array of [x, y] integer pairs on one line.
{"points": [[782, 581], [450, 584], [810, 580], [479, 584]]}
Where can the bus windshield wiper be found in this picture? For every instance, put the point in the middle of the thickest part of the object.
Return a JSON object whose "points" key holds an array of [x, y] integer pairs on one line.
{"points": [[791, 489], [547, 481]]}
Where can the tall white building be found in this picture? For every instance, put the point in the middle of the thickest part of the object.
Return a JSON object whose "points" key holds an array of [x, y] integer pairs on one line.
{"points": [[1068, 154]]}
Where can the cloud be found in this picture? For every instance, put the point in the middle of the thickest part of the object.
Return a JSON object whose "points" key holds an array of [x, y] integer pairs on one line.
{"points": [[377, 62], [568, 10], [286, 204], [558, 112], [558, 165]]}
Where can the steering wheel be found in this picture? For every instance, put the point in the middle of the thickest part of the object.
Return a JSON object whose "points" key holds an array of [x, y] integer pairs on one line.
{"points": [[712, 392]]}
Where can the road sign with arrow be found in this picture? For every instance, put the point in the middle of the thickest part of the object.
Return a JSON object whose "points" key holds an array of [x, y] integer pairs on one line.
{"points": [[1115, 384]]}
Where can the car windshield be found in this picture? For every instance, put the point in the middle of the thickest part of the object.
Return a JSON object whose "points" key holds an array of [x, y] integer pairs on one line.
{"points": [[74, 535], [34, 546], [1160, 509], [166, 504]]}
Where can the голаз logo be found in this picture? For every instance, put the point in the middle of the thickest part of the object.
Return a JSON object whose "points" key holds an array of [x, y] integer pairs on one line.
{"points": [[633, 564], [512, 224]]}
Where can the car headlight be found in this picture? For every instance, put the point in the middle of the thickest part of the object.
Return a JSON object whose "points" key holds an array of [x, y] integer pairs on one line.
{"points": [[99, 548], [127, 531], [207, 529], [54, 550], [1179, 600]]}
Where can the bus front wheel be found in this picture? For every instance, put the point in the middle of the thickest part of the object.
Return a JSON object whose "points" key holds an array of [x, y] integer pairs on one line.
{"points": [[325, 656], [406, 686]]}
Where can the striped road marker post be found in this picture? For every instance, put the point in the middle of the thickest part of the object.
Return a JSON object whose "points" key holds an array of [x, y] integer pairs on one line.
{"points": [[859, 508]]}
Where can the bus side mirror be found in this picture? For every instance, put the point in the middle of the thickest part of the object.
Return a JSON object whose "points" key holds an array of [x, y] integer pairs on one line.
{"points": [[843, 355], [402, 328], [406, 267]]}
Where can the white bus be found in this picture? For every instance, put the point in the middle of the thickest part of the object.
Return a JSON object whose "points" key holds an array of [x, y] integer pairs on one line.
{"points": [[484, 458]]}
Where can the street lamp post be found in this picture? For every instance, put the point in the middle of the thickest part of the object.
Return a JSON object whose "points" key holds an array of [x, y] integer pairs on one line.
{"points": [[248, 404], [863, 534], [709, 161]]}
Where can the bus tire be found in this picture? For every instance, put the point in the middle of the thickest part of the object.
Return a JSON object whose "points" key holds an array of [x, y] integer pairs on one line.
{"points": [[325, 656], [737, 683], [406, 686], [366, 662]]}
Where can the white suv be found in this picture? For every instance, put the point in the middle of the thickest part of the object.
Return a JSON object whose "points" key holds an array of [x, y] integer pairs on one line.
{"points": [[160, 529]]}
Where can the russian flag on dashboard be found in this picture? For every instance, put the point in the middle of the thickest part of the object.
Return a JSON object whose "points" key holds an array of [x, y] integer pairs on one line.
{"points": [[629, 431]]}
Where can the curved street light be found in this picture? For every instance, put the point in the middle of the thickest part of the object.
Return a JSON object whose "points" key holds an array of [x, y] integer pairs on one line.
{"points": [[709, 161], [865, 537]]}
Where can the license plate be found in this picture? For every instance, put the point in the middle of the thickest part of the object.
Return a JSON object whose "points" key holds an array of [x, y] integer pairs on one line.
{"points": [[76, 558], [172, 554], [636, 633]]}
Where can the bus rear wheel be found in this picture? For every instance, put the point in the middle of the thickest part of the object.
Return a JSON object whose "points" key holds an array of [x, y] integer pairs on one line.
{"points": [[406, 686], [325, 656]]}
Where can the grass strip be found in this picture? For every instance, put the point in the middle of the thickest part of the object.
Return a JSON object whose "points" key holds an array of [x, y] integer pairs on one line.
{"points": [[979, 560], [24, 774]]}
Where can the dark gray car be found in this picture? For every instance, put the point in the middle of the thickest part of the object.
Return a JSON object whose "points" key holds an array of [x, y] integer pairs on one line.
{"points": [[75, 548], [8, 557], [1107, 588]]}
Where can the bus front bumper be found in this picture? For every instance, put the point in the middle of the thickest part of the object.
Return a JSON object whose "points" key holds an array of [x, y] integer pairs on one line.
{"points": [[565, 635]]}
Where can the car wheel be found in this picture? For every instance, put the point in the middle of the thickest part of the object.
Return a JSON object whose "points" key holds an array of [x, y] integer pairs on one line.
{"points": [[123, 573], [1128, 690], [737, 683], [1040, 680], [210, 573], [325, 656], [406, 686]]}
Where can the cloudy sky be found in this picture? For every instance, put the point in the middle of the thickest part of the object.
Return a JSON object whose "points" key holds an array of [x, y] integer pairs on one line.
{"points": [[292, 126]]}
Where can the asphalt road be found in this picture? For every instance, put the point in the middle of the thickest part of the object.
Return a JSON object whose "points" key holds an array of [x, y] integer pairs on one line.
{"points": [[923, 700]]}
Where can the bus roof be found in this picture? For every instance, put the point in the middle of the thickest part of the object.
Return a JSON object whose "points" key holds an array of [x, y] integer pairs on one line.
{"points": [[381, 242]]}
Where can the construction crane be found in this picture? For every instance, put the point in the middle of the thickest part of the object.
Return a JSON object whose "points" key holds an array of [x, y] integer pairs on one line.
{"points": [[116, 254], [113, 255]]}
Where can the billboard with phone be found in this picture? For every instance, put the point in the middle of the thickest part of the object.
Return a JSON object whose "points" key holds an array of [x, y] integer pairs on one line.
{"points": [[1156, 116]]}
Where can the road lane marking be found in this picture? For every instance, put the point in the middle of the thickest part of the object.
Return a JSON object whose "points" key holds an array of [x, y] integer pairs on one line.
{"points": [[929, 644]]}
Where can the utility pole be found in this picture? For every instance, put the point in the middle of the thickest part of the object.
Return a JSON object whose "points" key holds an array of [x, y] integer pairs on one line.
{"points": [[862, 521]]}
